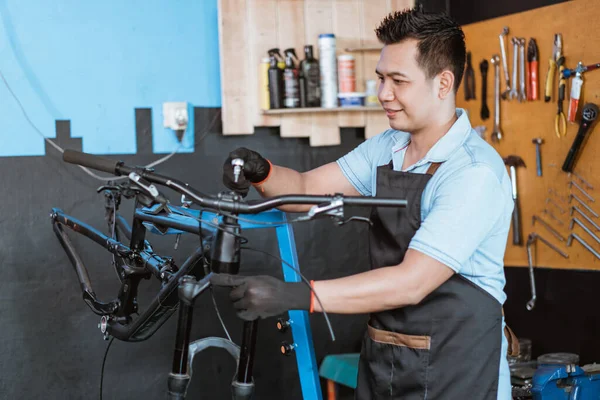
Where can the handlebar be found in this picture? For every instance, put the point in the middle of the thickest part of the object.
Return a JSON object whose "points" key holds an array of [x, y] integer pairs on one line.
{"points": [[118, 168]]}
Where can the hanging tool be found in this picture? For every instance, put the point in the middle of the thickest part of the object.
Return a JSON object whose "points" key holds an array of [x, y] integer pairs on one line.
{"points": [[583, 242], [588, 116], [586, 183], [531, 239], [560, 123], [496, 133], [576, 86], [522, 90], [503, 38], [554, 217], [588, 219], [556, 53], [514, 93], [573, 196], [582, 190], [485, 111], [567, 73], [585, 228], [558, 196], [538, 154], [532, 61], [469, 80], [513, 162], [548, 227], [548, 200]]}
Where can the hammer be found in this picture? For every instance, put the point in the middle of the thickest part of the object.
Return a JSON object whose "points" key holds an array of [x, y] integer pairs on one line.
{"points": [[513, 162]]}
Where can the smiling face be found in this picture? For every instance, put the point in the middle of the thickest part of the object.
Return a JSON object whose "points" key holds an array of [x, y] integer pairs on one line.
{"points": [[408, 96]]}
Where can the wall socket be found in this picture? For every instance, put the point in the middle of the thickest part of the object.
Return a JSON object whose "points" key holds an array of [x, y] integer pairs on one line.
{"points": [[175, 115]]}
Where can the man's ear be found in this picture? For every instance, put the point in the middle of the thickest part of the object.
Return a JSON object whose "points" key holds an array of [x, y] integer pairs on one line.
{"points": [[446, 79]]}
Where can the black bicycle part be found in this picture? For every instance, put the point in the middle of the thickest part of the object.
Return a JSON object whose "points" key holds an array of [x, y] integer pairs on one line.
{"points": [[233, 205]]}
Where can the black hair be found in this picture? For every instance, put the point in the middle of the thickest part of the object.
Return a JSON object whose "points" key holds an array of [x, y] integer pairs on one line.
{"points": [[441, 41]]}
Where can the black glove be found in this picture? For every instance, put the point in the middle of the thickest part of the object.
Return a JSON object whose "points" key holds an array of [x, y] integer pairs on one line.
{"points": [[263, 296], [256, 168]]}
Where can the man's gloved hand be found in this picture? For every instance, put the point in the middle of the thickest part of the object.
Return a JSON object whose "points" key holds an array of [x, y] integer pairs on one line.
{"points": [[256, 168], [263, 296]]}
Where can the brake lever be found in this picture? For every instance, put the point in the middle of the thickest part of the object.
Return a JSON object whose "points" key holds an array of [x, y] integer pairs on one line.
{"points": [[148, 188], [358, 219]]}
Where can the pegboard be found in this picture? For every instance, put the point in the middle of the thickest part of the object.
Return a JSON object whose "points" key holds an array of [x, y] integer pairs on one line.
{"points": [[522, 122]]}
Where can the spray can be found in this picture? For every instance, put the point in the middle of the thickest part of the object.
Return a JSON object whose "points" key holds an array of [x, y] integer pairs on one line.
{"points": [[346, 74], [576, 85], [263, 83], [280, 61], [275, 84], [328, 70], [290, 77]]}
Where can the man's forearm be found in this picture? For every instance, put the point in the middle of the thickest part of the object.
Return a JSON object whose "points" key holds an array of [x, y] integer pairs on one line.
{"points": [[376, 290], [283, 181]]}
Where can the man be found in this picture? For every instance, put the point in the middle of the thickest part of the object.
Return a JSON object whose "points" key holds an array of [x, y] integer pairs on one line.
{"points": [[435, 288]]}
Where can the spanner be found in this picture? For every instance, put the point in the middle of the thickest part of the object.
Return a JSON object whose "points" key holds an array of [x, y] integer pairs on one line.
{"points": [[496, 133], [533, 237], [502, 37], [522, 93], [513, 94]]}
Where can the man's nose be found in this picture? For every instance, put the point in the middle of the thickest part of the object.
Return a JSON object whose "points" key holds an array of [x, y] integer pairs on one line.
{"points": [[385, 94]]}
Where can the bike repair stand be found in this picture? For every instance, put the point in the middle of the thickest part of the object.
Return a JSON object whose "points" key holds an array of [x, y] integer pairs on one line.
{"points": [[298, 321]]}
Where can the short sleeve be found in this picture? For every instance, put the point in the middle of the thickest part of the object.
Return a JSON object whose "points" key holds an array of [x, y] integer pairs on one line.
{"points": [[464, 211], [357, 165]]}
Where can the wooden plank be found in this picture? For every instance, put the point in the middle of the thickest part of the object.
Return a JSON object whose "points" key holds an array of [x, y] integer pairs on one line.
{"points": [[318, 18], [290, 32], [346, 17], [236, 109], [372, 11], [400, 5], [522, 122], [262, 20]]}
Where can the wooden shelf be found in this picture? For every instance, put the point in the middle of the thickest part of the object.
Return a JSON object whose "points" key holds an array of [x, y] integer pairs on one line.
{"points": [[320, 110], [361, 49]]}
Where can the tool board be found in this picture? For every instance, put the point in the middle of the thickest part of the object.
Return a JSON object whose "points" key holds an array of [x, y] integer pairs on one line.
{"points": [[520, 123], [248, 28]]}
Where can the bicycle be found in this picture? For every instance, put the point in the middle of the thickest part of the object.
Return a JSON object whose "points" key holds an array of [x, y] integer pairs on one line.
{"points": [[218, 223]]}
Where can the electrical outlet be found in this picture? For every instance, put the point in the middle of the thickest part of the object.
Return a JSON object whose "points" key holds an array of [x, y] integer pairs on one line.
{"points": [[175, 115]]}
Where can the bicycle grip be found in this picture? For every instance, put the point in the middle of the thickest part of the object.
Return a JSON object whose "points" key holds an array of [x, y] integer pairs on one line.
{"points": [[91, 161]]}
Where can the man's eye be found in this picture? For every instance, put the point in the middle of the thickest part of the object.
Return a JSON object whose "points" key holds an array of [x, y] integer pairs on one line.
{"points": [[397, 82], [380, 78]]}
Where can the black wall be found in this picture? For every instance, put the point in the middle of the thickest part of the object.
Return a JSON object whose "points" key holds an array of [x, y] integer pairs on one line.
{"points": [[469, 11]]}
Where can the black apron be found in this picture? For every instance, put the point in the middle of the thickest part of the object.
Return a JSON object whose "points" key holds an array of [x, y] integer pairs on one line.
{"points": [[446, 347]]}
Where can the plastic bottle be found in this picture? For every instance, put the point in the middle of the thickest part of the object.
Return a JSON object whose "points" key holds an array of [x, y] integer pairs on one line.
{"points": [[371, 99], [309, 70], [280, 61], [328, 70], [275, 84], [290, 77]]}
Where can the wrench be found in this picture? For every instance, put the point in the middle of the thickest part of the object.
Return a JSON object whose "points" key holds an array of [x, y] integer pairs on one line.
{"points": [[522, 93], [496, 133], [502, 37], [513, 94], [531, 302]]}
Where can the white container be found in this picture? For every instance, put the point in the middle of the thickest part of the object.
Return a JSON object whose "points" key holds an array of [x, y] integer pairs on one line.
{"points": [[371, 99], [328, 70]]}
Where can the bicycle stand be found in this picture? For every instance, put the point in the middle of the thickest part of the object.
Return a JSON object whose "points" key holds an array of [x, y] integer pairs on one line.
{"points": [[189, 289]]}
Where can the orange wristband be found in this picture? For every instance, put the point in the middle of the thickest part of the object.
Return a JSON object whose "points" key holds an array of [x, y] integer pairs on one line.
{"points": [[312, 298], [264, 180]]}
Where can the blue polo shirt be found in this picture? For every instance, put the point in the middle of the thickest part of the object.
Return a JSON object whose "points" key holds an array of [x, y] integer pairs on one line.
{"points": [[465, 209]]}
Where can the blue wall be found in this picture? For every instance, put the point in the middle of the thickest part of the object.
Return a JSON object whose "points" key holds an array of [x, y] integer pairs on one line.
{"points": [[93, 63]]}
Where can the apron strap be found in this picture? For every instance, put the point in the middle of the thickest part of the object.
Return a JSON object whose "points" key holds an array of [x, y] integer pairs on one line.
{"points": [[513, 341], [433, 167]]}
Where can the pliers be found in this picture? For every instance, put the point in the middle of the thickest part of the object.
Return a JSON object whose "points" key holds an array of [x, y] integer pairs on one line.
{"points": [[560, 122]]}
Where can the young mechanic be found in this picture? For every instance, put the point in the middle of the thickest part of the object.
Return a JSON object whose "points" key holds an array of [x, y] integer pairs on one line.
{"points": [[435, 288]]}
